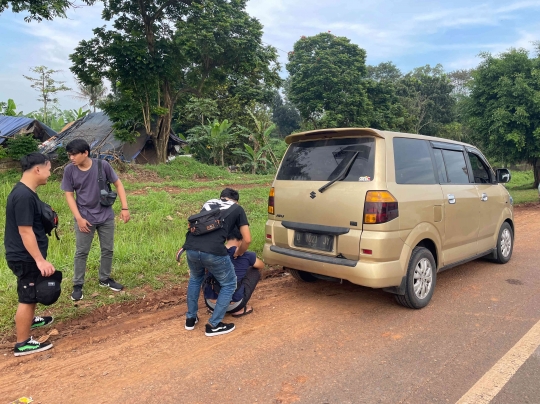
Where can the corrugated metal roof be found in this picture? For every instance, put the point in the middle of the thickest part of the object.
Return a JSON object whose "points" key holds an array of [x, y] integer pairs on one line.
{"points": [[11, 125]]}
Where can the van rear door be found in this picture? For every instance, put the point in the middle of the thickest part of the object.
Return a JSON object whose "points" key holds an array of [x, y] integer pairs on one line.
{"points": [[319, 195]]}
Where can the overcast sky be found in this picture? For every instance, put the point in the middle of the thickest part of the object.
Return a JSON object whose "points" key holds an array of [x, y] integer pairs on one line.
{"points": [[408, 33]]}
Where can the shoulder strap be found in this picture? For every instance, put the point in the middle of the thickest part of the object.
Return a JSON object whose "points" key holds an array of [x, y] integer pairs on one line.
{"points": [[227, 212], [100, 174]]}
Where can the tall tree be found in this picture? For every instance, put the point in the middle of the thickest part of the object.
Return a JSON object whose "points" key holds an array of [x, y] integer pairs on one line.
{"points": [[159, 51], [39, 10], [46, 86], [285, 115], [91, 93], [326, 73], [426, 95], [504, 110]]}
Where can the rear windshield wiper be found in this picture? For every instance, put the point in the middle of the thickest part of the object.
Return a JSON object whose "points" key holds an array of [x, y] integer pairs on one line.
{"points": [[341, 175]]}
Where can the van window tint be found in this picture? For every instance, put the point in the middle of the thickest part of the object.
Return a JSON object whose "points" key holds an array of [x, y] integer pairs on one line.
{"points": [[439, 163], [480, 171], [456, 168], [413, 162], [325, 159]]}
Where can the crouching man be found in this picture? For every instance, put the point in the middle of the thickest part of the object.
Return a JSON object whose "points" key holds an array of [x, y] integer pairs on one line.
{"points": [[208, 252], [247, 272], [26, 245]]}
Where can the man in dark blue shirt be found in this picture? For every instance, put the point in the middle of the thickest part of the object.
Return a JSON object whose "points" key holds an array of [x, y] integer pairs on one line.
{"points": [[247, 268]]}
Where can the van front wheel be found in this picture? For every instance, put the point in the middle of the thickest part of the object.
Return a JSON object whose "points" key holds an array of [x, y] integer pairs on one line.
{"points": [[420, 280], [301, 275]]}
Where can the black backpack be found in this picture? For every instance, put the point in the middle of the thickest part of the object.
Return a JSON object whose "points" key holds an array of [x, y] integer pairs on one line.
{"points": [[49, 218], [208, 221]]}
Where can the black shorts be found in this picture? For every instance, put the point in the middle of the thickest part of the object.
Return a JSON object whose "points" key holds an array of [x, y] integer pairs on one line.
{"points": [[27, 274]]}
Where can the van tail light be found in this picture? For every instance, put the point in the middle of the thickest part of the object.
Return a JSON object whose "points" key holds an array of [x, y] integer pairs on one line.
{"points": [[271, 201], [380, 207]]}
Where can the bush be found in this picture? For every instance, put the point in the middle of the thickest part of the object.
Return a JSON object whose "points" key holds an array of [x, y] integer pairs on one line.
{"points": [[21, 145]]}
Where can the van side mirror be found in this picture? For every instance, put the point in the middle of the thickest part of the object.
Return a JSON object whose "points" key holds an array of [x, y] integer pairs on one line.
{"points": [[503, 175]]}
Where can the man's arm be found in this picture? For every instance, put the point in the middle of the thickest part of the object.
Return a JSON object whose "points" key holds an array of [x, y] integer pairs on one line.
{"points": [[246, 241], [81, 222], [258, 264], [124, 213], [30, 243]]}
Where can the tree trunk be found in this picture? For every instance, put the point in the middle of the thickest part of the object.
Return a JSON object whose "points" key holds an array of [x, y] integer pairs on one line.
{"points": [[536, 171], [161, 137]]}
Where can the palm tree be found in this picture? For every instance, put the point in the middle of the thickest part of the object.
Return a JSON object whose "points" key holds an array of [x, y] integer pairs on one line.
{"points": [[92, 94]]}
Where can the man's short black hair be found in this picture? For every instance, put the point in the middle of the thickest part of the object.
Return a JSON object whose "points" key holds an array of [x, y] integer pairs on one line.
{"points": [[78, 146], [230, 193], [33, 159], [235, 235]]}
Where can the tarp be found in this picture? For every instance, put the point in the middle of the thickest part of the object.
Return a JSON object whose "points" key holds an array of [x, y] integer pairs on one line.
{"points": [[12, 125], [97, 130]]}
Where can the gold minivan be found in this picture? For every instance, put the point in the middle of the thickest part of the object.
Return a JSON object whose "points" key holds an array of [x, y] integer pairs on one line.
{"points": [[385, 210]]}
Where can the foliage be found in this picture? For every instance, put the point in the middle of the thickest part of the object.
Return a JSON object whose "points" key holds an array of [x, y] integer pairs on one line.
{"points": [[9, 108], [3, 152], [326, 74], [425, 93], [46, 86], [285, 116], [386, 71], [21, 145], [56, 119], [158, 51], [39, 10], [252, 157], [503, 107], [91, 93]]}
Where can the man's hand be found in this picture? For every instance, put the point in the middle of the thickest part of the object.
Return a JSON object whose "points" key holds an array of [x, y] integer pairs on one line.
{"points": [[46, 268], [84, 225], [124, 215], [236, 255]]}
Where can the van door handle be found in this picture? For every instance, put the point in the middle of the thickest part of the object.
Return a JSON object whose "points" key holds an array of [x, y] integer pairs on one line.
{"points": [[451, 199], [484, 197]]}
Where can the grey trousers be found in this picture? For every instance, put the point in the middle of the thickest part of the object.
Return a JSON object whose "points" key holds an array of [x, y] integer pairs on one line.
{"points": [[105, 233]]}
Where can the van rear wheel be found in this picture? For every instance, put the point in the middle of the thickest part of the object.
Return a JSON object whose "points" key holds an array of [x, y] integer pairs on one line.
{"points": [[301, 275], [420, 280]]}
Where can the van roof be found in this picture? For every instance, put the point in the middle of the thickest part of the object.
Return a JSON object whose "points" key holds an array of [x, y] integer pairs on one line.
{"points": [[352, 132]]}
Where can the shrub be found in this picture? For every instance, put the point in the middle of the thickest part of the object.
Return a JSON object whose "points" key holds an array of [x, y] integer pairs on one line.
{"points": [[21, 145]]}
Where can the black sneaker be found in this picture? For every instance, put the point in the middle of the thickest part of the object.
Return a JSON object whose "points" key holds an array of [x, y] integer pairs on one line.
{"points": [[219, 329], [31, 346], [41, 321], [77, 293], [190, 322], [111, 284]]}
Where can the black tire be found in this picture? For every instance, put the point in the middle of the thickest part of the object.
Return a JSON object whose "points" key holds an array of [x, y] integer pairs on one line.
{"points": [[422, 277], [301, 275], [505, 244]]}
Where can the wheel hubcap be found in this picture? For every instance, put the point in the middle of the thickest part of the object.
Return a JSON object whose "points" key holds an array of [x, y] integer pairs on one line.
{"points": [[506, 243], [423, 278]]}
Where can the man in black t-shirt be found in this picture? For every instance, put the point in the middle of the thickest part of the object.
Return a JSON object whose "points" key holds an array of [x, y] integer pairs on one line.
{"points": [[208, 252], [26, 246]]}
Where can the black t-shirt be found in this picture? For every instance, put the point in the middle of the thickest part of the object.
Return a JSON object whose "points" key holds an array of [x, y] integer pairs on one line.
{"points": [[214, 242], [23, 208]]}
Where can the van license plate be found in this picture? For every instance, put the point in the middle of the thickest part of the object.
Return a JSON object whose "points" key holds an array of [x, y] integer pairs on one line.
{"points": [[314, 241]]}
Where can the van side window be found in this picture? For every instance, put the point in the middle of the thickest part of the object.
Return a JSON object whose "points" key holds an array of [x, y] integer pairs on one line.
{"points": [[439, 163], [480, 171], [413, 162], [456, 168]]}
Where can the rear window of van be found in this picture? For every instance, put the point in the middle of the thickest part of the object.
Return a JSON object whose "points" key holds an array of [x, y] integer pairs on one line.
{"points": [[325, 159]]}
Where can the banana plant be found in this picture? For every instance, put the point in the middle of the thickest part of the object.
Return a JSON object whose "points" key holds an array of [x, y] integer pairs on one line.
{"points": [[253, 158]]}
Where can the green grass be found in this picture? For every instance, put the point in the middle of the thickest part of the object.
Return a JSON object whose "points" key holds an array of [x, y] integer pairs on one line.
{"points": [[521, 187], [145, 246]]}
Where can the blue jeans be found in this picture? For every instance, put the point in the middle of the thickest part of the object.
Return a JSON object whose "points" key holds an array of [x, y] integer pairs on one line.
{"points": [[222, 269]]}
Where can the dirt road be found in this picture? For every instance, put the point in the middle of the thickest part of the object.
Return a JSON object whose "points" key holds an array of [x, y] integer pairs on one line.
{"points": [[308, 343]]}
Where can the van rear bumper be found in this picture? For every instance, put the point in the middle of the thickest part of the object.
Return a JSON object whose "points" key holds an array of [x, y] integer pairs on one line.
{"points": [[370, 274]]}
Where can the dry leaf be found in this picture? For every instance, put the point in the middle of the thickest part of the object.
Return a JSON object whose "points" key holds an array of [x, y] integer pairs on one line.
{"points": [[169, 217]]}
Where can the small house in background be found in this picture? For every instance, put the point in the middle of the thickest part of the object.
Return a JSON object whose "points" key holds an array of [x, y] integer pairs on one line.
{"points": [[96, 128], [15, 125]]}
